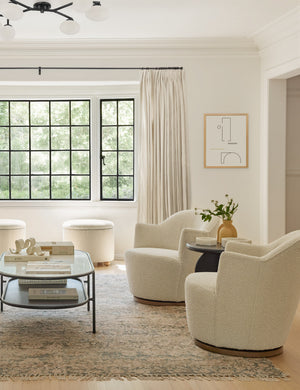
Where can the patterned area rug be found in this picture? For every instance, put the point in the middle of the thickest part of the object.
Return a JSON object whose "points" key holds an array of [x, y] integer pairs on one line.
{"points": [[133, 341]]}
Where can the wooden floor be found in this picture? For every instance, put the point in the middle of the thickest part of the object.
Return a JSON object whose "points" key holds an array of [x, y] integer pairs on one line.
{"points": [[289, 362]]}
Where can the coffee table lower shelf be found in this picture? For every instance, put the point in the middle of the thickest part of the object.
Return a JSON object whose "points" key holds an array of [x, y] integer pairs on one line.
{"points": [[17, 295]]}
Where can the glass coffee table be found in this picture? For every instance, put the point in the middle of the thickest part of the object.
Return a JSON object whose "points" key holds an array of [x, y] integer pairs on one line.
{"points": [[15, 294]]}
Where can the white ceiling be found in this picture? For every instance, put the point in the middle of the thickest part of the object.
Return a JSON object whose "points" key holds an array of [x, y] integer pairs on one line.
{"points": [[161, 19]]}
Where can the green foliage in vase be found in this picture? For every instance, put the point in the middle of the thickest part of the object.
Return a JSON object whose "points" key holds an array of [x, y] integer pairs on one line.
{"points": [[224, 210]]}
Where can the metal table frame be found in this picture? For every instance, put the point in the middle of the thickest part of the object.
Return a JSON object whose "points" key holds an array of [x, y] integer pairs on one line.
{"points": [[88, 299]]}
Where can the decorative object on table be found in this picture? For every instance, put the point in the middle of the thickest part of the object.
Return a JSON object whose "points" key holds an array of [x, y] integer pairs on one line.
{"points": [[57, 248], [226, 230], [226, 140], [29, 245], [206, 241], [225, 211], [65, 349], [19, 246], [243, 240], [25, 251]]}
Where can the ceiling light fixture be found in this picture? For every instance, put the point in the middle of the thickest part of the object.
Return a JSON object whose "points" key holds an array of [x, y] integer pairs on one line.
{"points": [[13, 10]]}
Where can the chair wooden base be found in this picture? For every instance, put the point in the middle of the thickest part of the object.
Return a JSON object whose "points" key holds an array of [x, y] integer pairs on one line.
{"points": [[239, 352], [158, 303], [103, 264]]}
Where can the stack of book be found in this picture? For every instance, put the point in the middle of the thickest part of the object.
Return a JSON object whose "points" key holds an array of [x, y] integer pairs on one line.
{"points": [[38, 282], [45, 268], [22, 256], [207, 241], [52, 294], [57, 248]]}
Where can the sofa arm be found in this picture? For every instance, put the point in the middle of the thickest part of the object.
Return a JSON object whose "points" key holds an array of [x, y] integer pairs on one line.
{"points": [[248, 249], [239, 268], [188, 258], [188, 235]]}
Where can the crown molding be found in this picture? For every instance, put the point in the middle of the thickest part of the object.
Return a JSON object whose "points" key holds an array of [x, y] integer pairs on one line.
{"points": [[280, 29], [92, 48]]}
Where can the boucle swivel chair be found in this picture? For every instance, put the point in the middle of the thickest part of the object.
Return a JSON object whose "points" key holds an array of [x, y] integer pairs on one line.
{"points": [[159, 263], [247, 307]]}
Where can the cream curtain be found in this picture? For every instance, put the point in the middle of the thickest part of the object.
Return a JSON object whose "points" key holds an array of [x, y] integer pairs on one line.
{"points": [[163, 177]]}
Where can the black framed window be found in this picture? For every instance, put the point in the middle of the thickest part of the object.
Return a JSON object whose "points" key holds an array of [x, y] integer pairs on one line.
{"points": [[45, 150], [117, 149]]}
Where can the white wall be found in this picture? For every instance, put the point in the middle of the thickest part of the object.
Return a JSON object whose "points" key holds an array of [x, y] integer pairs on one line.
{"points": [[279, 45], [220, 78], [226, 85], [293, 155]]}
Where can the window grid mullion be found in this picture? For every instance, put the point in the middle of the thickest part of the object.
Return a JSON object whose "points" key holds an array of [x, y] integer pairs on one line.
{"points": [[50, 149], [70, 152], [85, 189], [101, 150], [117, 149], [9, 144], [29, 149], [88, 163]]}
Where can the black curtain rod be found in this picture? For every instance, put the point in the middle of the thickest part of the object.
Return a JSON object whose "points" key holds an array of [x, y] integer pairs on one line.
{"points": [[40, 68]]}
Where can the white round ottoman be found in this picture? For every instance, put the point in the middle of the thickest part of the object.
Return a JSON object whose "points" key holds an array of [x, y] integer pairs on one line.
{"points": [[10, 231], [95, 236]]}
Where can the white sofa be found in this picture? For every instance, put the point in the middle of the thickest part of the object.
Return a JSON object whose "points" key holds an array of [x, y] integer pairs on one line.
{"points": [[247, 307], [159, 263]]}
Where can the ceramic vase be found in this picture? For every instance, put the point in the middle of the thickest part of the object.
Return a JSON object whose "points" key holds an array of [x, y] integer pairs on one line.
{"points": [[226, 230]]}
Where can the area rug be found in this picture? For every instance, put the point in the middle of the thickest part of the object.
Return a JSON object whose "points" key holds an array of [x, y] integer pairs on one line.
{"points": [[133, 341]]}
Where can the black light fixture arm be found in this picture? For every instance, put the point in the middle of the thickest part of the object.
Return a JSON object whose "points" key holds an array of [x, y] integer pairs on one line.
{"points": [[44, 6], [28, 8]]}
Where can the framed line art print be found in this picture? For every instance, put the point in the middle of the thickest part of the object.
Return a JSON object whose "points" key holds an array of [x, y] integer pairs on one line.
{"points": [[225, 140]]}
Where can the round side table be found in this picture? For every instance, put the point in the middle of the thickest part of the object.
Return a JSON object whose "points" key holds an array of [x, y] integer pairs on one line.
{"points": [[209, 260]]}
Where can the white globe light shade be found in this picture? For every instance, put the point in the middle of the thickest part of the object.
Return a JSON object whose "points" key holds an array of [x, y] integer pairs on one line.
{"points": [[12, 12], [81, 5], [97, 13], [7, 32], [69, 27]]}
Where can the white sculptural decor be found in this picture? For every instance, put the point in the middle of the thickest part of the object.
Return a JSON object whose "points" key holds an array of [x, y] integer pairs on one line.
{"points": [[29, 245], [26, 250]]}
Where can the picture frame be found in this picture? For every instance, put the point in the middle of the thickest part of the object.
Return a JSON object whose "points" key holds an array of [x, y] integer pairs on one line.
{"points": [[225, 140]]}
